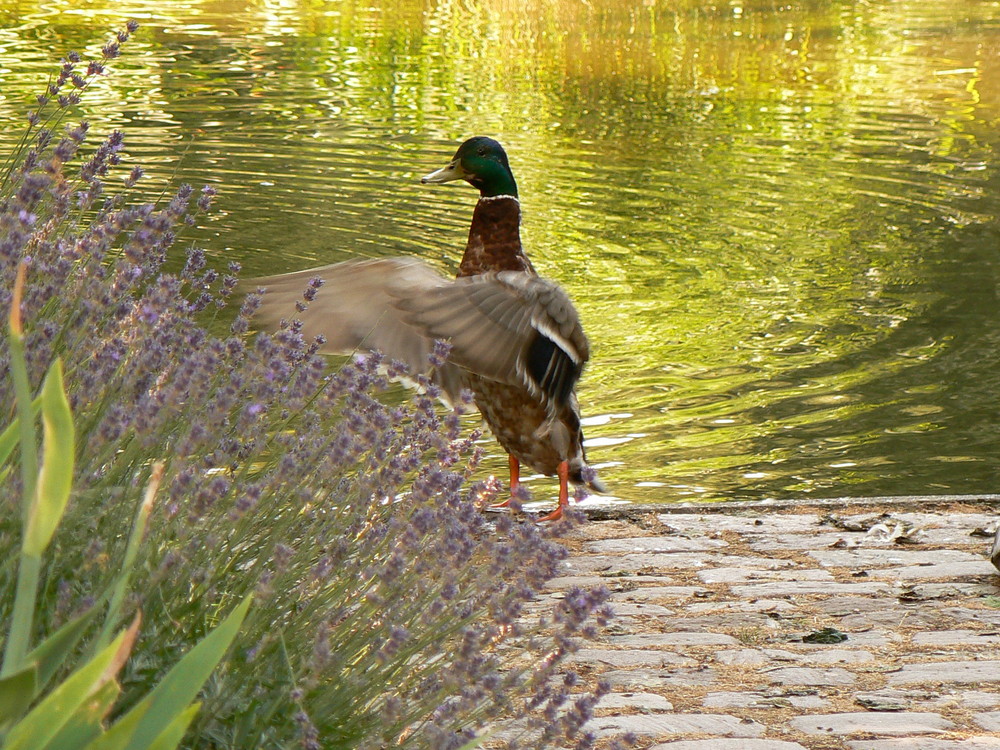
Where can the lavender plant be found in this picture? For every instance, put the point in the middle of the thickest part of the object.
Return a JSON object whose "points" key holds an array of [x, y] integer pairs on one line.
{"points": [[389, 612]]}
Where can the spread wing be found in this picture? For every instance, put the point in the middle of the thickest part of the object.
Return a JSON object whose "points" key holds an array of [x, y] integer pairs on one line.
{"points": [[511, 327], [353, 309]]}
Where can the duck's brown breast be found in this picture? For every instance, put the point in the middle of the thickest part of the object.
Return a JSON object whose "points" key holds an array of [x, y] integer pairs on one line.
{"points": [[495, 238]]}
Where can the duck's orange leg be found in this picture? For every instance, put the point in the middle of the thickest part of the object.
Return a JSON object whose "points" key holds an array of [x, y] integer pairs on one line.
{"points": [[515, 480], [563, 472]]}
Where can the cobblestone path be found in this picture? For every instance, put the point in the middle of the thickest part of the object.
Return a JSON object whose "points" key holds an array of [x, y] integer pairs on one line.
{"points": [[707, 651]]}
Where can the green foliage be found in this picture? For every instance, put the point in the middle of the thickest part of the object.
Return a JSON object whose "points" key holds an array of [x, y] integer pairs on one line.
{"points": [[71, 715]]}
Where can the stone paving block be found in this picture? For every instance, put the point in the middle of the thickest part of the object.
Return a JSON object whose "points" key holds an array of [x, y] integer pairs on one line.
{"points": [[865, 558], [968, 699], [516, 730], [632, 609], [919, 699], [637, 678], [964, 521], [889, 619], [635, 702], [745, 575], [966, 672], [810, 676], [661, 724], [829, 655], [653, 563], [631, 658], [729, 744], [648, 593], [760, 562], [841, 605], [922, 592], [903, 723], [802, 588], [670, 640], [656, 544], [988, 617], [882, 613], [949, 571], [743, 699], [948, 537], [579, 564], [735, 620], [927, 743], [562, 583], [756, 523], [989, 720], [956, 638], [808, 542], [751, 656], [646, 562], [757, 605]]}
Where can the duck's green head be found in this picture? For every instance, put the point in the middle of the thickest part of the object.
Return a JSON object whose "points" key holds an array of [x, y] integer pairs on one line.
{"points": [[482, 163]]}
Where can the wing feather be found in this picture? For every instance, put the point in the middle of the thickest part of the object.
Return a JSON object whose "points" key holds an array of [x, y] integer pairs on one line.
{"points": [[511, 327], [353, 309]]}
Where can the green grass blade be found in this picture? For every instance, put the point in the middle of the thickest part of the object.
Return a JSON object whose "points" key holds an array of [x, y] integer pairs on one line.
{"points": [[17, 690], [139, 528], [55, 479]]}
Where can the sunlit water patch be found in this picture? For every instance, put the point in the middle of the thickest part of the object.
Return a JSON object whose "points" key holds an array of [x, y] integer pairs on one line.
{"points": [[779, 222]]}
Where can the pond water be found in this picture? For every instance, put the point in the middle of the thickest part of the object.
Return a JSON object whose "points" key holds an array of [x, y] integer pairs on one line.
{"points": [[779, 221]]}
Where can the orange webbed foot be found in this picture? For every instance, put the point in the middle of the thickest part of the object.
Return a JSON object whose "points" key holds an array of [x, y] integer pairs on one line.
{"points": [[515, 481], [563, 472]]}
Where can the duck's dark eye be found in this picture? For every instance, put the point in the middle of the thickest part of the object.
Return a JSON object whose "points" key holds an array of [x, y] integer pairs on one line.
{"points": [[482, 152]]}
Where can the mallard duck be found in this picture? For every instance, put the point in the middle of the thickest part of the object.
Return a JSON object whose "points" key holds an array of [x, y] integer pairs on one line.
{"points": [[516, 340]]}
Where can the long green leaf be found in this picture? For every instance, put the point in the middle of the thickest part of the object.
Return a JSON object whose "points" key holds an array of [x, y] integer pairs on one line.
{"points": [[85, 724], [46, 719], [55, 479], [28, 571], [178, 688], [11, 434], [17, 690], [50, 654], [171, 737]]}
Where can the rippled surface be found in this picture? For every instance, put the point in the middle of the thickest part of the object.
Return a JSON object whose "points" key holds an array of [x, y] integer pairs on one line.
{"points": [[779, 222]]}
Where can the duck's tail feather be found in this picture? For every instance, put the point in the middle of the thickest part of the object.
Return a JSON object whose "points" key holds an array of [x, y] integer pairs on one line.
{"points": [[581, 473]]}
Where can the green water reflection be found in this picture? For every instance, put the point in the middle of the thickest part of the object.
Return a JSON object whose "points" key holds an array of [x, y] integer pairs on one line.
{"points": [[778, 221]]}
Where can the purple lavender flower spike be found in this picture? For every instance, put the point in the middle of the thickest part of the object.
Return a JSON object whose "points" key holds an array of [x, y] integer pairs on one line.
{"points": [[389, 611]]}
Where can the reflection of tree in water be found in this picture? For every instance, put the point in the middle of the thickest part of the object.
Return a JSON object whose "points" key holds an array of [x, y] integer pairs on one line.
{"points": [[926, 420]]}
